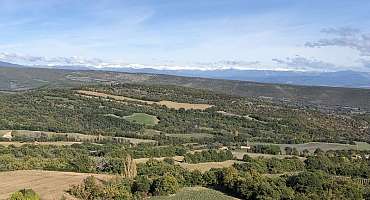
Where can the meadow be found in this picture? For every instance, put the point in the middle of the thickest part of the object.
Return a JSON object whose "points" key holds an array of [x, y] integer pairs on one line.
{"points": [[196, 193], [143, 118]]}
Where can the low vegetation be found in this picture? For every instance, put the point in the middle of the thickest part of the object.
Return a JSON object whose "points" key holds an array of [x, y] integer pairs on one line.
{"points": [[196, 193], [208, 156], [25, 194]]}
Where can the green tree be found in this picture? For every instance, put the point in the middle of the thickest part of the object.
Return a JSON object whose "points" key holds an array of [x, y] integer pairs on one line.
{"points": [[165, 185]]}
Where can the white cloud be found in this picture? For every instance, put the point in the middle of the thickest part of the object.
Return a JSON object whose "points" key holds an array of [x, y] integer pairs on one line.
{"points": [[301, 63], [344, 37], [296, 63]]}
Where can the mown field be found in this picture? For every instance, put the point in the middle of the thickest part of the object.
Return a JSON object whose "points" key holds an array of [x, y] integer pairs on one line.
{"points": [[196, 193], [49, 185]]}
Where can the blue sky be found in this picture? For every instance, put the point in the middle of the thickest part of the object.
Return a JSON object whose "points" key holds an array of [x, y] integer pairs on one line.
{"points": [[313, 35]]}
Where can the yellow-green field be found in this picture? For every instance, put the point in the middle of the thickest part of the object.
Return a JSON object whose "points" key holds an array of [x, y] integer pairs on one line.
{"points": [[196, 193], [142, 118]]}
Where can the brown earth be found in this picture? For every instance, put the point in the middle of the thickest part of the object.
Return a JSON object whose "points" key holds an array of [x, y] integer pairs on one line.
{"points": [[48, 184]]}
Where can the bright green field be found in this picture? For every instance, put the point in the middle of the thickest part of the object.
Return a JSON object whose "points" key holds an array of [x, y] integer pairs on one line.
{"points": [[142, 118], [196, 193]]}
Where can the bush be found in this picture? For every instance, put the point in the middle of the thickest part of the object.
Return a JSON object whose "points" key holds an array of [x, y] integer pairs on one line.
{"points": [[25, 194]]}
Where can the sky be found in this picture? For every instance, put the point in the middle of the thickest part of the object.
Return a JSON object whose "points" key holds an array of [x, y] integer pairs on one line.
{"points": [[304, 35]]}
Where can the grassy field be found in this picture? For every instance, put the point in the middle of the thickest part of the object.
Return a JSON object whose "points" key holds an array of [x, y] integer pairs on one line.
{"points": [[49, 184], [142, 118], [196, 193]]}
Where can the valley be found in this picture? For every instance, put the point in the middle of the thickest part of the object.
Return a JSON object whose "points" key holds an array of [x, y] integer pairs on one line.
{"points": [[151, 141]]}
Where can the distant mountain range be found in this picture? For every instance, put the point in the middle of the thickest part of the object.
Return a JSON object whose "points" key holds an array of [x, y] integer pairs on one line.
{"points": [[351, 79], [6, 64]]}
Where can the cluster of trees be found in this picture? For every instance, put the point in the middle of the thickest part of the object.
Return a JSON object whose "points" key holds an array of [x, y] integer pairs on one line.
{"points": [[339, 164], [270, 165], [154, 178], [305, 185], [74, 158], [208, 156], [266, 149], [161, 178]]}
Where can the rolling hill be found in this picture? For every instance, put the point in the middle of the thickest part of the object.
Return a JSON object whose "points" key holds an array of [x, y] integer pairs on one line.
{"points": [[355, 99]]}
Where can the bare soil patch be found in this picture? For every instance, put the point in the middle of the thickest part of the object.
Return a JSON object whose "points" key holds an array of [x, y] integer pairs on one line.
{"points": [[49, 184]]}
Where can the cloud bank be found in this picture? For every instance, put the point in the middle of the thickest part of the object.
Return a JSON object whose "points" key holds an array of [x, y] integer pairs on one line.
{"points": [[344, 37], [300, 63], [294, 63]]}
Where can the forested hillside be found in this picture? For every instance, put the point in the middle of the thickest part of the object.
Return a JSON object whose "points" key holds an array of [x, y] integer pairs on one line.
{"points": [[327, 98], [108, 110]]}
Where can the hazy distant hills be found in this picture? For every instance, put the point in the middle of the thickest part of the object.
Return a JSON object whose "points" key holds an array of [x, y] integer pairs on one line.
{"points": [[6, 64], [19, 79], [335, 79]]}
